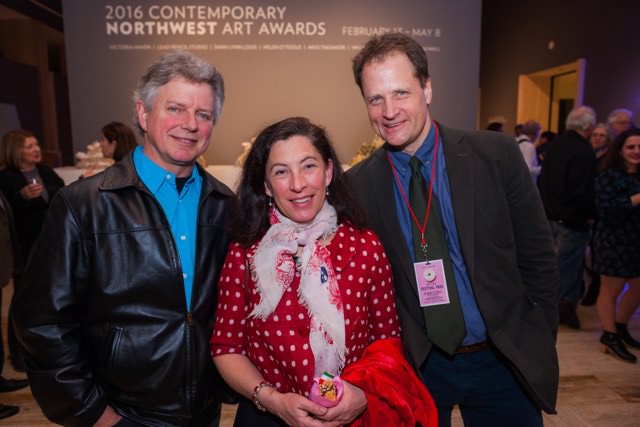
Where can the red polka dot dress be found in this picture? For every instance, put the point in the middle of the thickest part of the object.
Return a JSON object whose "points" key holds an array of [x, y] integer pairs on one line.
{"points": [[279, 345]]}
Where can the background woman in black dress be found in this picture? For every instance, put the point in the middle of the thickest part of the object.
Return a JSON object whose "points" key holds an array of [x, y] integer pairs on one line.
{"points": [[617, 243], [29, 187]]}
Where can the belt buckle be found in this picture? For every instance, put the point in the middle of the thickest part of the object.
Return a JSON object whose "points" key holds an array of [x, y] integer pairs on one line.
{"points": [[472, 348]]}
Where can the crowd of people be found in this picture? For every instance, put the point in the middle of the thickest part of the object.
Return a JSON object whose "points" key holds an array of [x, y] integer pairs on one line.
{"points": [[590, 187], [385, 295]]}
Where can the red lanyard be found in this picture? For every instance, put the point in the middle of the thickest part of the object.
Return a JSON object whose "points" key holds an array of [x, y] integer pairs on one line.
{"points": [[422, 228]]}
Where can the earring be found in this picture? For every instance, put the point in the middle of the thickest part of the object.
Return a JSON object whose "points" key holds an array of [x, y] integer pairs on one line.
{"points": [[270, 201], [327, 192]]}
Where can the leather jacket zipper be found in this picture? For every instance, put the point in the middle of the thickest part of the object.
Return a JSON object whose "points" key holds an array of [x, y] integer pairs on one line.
{"points": [[189, 388]]}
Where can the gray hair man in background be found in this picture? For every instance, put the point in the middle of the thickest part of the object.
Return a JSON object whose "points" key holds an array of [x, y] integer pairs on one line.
{"points": [[619, 120], [567, 189]]}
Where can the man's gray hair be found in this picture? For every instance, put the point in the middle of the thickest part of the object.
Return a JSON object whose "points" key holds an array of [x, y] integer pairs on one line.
{"points": [[581, 119], [613, 116], [173, 65]]}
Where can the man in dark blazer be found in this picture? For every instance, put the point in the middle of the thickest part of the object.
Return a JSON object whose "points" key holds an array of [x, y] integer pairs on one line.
{"points": [[505, 368]]}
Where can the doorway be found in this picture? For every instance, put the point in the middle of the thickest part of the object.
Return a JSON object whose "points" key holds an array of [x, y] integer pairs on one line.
{"points": [[547, 96]]}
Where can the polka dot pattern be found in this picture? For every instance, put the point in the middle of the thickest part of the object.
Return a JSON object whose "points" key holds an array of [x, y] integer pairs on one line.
{"points": [[279, 345]]}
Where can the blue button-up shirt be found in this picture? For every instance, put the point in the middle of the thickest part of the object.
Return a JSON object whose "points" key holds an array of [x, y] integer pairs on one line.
{"points": [[476, 329], [181, 210]]}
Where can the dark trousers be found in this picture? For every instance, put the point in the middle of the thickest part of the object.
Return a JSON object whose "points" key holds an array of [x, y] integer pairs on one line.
{"points": [[249, 416], [570, 246], [15, 349], [126, 422], [483, 387]]}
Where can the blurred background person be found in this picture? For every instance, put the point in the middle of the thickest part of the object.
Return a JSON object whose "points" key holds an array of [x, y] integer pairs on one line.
{"points": [[116, 141], [495, 126], [542, 144], [617, 243], [530, 132], [600, 141], [28, 186], [7, 267], [566, 189], [517, 130], [619, 120]]}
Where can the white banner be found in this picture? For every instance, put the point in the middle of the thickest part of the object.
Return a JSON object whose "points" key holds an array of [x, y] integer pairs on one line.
{"points": [[279, 58]]}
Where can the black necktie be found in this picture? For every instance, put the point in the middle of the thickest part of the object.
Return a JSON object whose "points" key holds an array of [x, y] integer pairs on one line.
{"points": [[445, 323]]}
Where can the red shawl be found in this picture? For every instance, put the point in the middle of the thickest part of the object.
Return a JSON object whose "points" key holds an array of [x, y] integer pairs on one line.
{"points": [[395, 394]]}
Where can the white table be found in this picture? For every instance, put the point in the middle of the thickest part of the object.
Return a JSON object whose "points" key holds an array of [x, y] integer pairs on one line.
{"points": [[69, 174], [228, 174]]}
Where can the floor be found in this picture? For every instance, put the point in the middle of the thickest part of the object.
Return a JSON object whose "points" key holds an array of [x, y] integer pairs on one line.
{"points": [[595, 389]]}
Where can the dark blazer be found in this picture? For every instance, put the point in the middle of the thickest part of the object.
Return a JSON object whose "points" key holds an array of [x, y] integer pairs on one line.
{"points": [[566, 181], [507, 247]]}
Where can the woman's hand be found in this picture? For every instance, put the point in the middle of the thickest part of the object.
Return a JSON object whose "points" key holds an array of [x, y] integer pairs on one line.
{"points": [[108, 418], [89, 172], [352, 404], [294, 409], [31, 191]]}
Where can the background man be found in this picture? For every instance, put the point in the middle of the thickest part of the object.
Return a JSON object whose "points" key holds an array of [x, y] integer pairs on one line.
{"points": [[117, 306], [526, 141], [496, 256], [566, 187], [619, 120]]}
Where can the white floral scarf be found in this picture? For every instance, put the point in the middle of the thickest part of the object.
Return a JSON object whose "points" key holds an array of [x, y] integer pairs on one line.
{"points": [[273, 270]]}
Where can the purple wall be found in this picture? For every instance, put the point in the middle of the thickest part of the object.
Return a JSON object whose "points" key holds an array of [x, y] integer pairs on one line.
{"points": [[514, 41]]}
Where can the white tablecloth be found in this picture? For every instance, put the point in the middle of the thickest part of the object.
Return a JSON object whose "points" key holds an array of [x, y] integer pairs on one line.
{"points": [[228, 174], [69, 174]]}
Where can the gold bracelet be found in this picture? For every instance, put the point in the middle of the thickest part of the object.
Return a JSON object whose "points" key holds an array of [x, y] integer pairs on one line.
{"points": [[256, 390]]}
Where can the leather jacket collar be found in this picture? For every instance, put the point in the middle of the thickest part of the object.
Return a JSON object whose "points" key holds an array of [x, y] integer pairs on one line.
{"points": [[123, 174]]}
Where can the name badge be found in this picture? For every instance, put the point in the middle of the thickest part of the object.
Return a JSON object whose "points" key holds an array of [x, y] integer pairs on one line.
{"points": [[432, 283]]}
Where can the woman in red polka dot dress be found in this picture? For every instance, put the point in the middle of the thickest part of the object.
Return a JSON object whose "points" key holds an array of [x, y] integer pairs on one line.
{"points": [[306, 289]]}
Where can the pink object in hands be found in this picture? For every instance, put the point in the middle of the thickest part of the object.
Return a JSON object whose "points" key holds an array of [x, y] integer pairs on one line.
{"points": [[326, 390]]}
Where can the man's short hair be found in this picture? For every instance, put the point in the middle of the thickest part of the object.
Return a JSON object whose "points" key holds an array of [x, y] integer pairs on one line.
{"points": [[178, 64], [380, 47]]}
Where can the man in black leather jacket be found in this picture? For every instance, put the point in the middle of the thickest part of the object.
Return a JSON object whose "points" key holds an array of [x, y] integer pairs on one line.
{"points": [[118, 302]]}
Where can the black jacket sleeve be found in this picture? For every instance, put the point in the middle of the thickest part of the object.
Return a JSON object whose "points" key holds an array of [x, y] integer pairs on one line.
{"points": [[49, 326]]}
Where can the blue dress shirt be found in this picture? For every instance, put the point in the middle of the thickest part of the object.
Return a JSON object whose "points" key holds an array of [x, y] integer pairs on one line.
{"points": [[476, 329], [181, 210]]}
